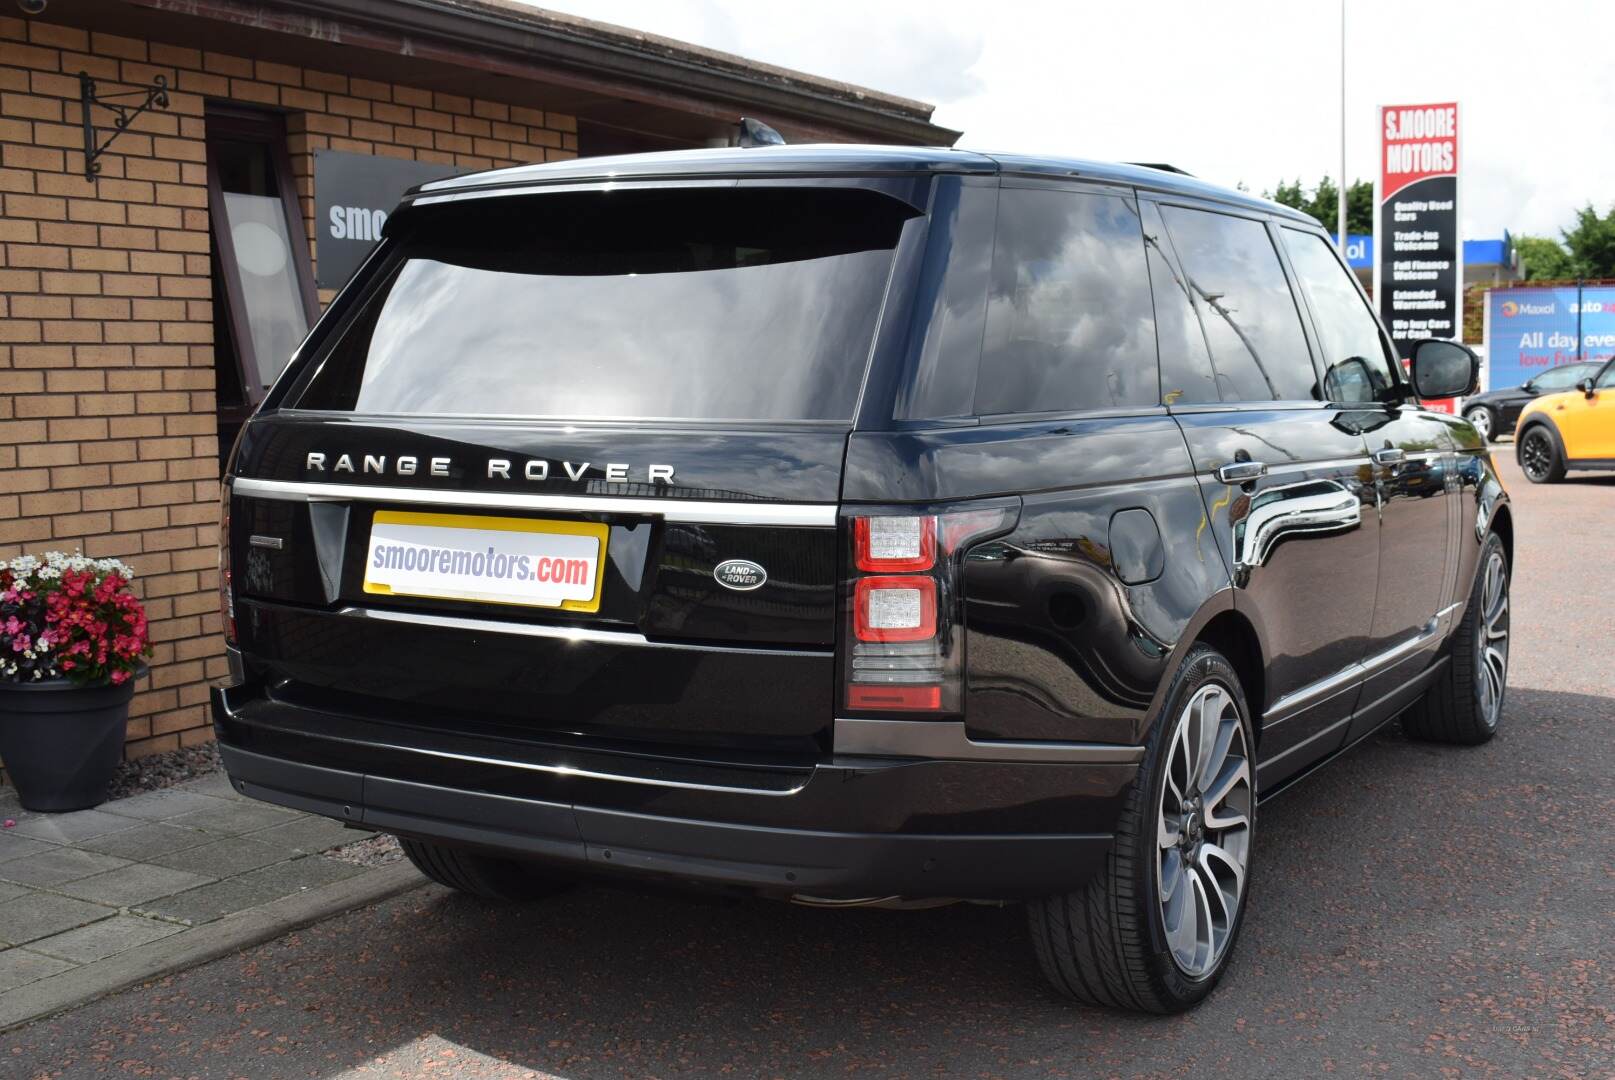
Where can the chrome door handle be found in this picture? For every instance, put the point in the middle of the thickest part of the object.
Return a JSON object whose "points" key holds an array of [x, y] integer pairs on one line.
{"points": [[1240, 472], [1390, 455]]}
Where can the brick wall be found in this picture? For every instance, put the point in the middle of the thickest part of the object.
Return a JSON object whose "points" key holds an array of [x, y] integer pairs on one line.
{"points": [[107, 431]]}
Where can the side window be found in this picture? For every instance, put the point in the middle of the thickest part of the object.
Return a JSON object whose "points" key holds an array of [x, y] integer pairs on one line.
{"points": [[1070, 324], [1258, 348], [1566, 377], [957, 267], [1606, 378], [1187, 377], [1355, 365]]}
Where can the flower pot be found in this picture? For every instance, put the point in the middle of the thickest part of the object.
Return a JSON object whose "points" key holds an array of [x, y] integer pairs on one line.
{"points": [[61, 743]]}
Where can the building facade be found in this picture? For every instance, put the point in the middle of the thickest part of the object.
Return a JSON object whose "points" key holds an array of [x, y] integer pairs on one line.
{"points": [[145, 304]]}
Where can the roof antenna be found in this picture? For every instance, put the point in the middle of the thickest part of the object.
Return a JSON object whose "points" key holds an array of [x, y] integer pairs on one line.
{"points": [[1162, 166], [757, 133]]}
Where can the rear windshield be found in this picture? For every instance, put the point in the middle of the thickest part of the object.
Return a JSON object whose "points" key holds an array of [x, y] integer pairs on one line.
{"points": [[714, 304]]}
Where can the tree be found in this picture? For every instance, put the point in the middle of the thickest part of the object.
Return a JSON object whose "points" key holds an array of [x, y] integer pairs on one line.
{"points": [[1592, 244], [1544, 259], [1323, 203]]}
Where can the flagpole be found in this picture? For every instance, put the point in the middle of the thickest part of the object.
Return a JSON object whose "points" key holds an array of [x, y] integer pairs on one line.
{"points": [[1343, 127]]}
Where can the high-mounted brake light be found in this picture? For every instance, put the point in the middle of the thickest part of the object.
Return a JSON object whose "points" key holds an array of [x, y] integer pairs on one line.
{"points": [[894, 545]]}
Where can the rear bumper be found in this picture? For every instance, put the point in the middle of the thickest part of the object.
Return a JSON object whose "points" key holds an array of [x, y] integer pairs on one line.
{"points": [[845, 827]]}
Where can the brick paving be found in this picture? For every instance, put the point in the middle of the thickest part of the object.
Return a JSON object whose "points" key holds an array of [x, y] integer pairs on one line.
{"points": [[79, 888]]}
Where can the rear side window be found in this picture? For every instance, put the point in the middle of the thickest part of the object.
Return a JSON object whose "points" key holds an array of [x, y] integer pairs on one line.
{"points": [[1355, 365], [1565, 377], [1187, 377], [1070, 323], [722, 304], [1258, 348]]}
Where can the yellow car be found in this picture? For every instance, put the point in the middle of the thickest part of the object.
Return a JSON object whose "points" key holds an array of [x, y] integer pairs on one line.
{"points": [[1570, 430]]}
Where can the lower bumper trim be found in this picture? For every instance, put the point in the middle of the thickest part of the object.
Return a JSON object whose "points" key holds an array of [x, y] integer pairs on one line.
{"points": [[949, 741], [766, 858]]}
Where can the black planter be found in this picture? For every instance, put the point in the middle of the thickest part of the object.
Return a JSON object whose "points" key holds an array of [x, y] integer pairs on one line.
{"points": [[61, 743]]}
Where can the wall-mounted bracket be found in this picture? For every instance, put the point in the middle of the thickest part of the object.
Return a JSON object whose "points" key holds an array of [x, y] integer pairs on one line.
{"points": [[123, 114]]}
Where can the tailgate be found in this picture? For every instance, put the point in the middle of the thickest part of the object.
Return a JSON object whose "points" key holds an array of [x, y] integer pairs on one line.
{"points": [[653, 645]]}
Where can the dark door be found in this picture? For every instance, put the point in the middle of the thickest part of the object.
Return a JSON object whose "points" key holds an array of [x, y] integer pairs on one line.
{"points": [[1284, 475], [1412, 457]]}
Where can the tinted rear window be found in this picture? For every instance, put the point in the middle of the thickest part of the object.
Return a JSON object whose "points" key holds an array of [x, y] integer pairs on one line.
{"points": [[719, 304], [1069, 318]]}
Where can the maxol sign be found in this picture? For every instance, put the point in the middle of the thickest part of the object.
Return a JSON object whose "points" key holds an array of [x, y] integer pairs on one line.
{"points": [[1529, 331]]}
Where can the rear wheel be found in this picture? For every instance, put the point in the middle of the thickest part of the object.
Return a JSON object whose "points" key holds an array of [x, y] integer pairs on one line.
{"points": [[1484, 422], [1466, 701], [1539, 456], [1154, 930], [477, 874]]}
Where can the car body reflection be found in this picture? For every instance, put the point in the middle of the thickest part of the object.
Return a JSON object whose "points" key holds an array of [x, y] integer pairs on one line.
{"points": [[1275, 514]]}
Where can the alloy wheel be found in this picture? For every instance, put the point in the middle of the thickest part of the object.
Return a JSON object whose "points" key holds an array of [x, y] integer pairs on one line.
{"points": [[1482, 419], [1491, 643], [1204, 830], [1536, 454]]}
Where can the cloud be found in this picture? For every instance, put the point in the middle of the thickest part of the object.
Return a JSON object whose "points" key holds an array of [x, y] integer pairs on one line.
{"points": [[1247, 90]]}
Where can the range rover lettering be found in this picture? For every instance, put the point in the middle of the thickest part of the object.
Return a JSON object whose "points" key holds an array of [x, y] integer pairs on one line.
{"points": [[856, 525]]}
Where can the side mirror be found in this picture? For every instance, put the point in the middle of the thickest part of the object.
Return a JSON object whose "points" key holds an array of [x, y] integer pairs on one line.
{"points": [[1444, 369], [1529, 386], [1586, 387]]}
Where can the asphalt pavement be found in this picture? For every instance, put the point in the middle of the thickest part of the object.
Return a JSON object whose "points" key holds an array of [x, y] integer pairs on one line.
{"points": [[1416, 911]]}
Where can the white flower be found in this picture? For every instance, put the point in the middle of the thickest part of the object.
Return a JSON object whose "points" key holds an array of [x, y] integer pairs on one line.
{"points": [[49, 573]]}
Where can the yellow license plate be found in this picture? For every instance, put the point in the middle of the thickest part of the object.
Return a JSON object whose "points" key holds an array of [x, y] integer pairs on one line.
{"points": [[493, 560]]}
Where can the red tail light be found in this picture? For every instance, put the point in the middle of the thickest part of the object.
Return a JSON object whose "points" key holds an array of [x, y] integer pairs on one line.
{"points": [[894, 545], [903, 647], [893, 608], [916, 698]]}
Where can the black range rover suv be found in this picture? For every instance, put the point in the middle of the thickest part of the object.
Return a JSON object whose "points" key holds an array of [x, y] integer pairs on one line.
{"points": [[856, 525]]}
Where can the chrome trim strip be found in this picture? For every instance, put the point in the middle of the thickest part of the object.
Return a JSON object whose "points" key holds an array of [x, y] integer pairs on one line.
{"points": [[695, 511], [1290, 703], [557, 633], [1283, 467], [590, 774], [948, 741], [274, 543]]}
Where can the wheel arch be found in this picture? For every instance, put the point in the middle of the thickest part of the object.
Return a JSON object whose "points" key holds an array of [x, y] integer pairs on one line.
{"points": [[1502, 524], [1542, 420], [1233, 635]]}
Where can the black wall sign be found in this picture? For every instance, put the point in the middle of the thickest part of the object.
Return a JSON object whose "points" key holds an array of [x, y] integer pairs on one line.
{"points": [[353, 194], [1418, 256]]}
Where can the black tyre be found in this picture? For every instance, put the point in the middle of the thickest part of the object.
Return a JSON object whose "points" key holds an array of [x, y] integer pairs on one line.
{"points": [[485, 876], [1485, 422], [1154, 929], [1466, 701], [1539, 456]]}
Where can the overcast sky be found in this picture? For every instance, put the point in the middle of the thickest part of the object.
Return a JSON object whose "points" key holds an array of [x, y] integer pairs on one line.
{"points": [[1241, 90]]}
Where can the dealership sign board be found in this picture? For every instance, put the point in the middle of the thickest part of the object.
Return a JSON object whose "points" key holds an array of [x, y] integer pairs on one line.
{"points": [[353, 194], [1532, 330], [1418, 265]]}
